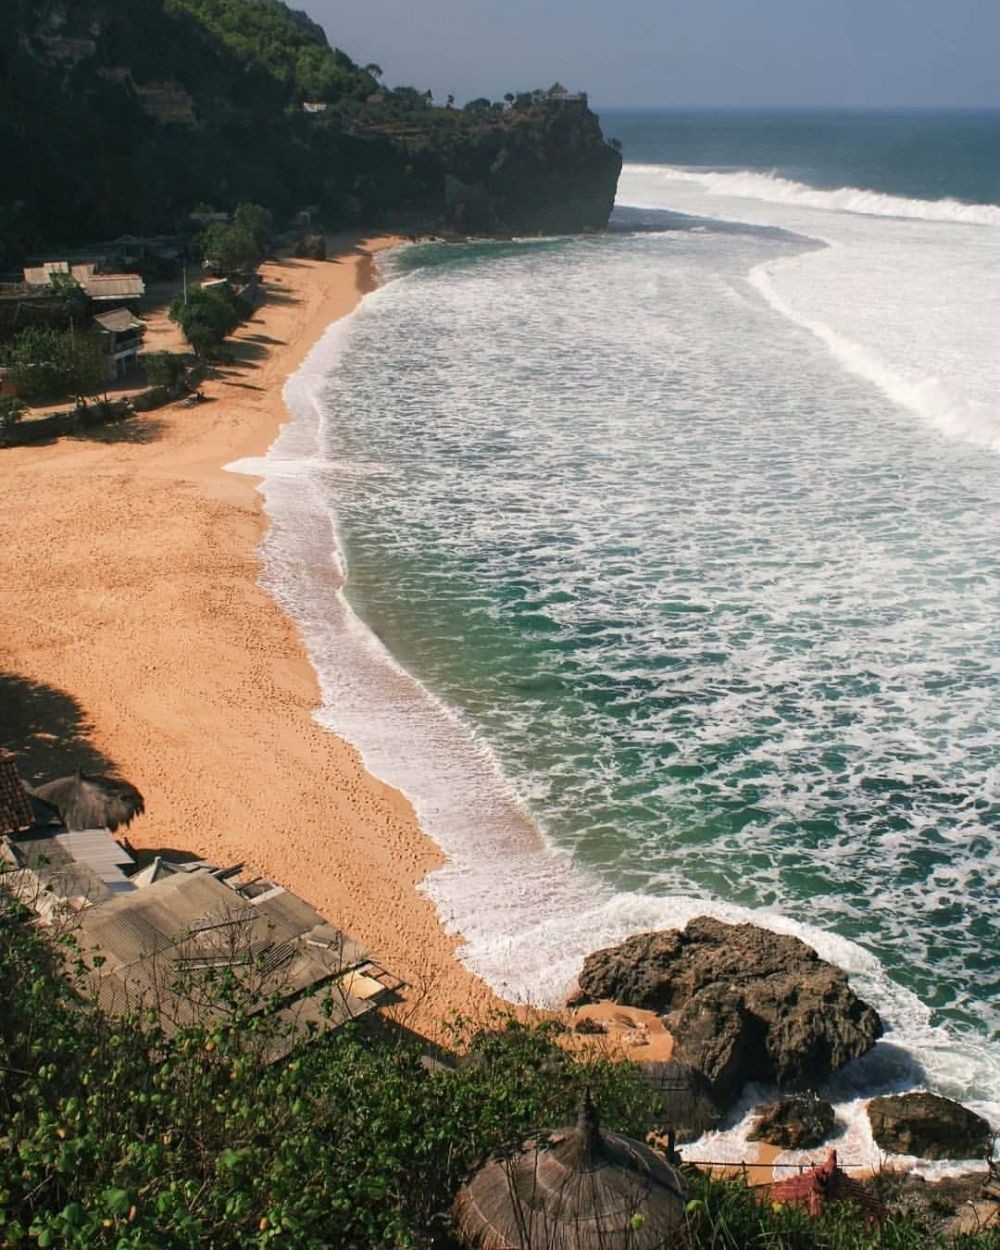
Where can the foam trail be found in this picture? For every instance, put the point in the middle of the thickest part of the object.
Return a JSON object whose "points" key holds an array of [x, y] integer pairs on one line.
{"points": [[969, 421], [903, 294], [773, 189], [527, 914]]}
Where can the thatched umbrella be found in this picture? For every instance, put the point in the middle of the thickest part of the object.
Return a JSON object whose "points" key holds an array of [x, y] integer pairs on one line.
{"points": [[93, 801], [686, 1097], [573, 1189]]}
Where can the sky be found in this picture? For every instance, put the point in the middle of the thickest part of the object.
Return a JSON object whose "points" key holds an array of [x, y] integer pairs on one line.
{"points": [[690, 53]]}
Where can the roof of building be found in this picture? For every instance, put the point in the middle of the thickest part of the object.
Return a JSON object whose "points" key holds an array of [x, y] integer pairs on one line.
{"points": [[185, 924], [98, 286], [114, 286], [15, 807], [118, 320], [40, 275], [80, 868]]}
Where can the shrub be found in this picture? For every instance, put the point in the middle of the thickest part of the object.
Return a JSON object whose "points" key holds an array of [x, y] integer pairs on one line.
{"points": [[206, 315], [164, 370], [11, 410]]}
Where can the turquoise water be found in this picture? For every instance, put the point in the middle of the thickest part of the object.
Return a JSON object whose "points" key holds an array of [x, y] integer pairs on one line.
{"points": [[688, 534]]}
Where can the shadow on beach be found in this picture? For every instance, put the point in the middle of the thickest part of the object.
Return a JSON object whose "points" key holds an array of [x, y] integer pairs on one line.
{"points": [[46, 729], [137, 430]]}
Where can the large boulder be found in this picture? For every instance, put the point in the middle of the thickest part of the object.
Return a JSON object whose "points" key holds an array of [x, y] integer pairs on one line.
{"points": [[744, 1004], [796, 1123], [928, 1126]]}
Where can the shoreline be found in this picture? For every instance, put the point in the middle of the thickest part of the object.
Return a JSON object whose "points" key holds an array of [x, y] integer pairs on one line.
{"points": [[167, 660]]}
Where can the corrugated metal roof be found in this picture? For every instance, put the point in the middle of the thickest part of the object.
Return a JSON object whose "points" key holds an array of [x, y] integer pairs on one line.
{"points": [[117, 321], [114, 286]]}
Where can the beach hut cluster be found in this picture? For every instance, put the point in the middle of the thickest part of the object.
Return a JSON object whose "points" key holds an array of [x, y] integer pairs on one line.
{"points": [[152, 934]]}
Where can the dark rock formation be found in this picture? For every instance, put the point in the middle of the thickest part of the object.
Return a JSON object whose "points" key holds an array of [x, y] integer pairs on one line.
{"points": [[928, 1126], [945, 1209], [686, 1097], [743, 1003], [796, 1123]]}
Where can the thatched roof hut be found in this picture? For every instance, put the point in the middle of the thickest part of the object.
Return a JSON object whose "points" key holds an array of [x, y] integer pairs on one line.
{"points": [[686, 1097], [573, 1189], [93, 801]]}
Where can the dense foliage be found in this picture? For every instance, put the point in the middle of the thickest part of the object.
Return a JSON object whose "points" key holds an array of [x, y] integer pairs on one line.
{"points": [[287, 44], [207, 315], [53, 364], [118, 118], [113, 1135]]}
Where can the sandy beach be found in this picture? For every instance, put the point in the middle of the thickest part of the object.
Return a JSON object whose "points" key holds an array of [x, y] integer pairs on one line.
{"points": [[134, 635]]}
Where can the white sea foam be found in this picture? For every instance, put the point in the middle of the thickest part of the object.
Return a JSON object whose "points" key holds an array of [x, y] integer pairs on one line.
{"points": [[967, 419], [527, 912], [770, 187], [904, 294]]}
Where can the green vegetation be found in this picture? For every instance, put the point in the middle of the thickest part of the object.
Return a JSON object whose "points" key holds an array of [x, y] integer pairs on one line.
{"points": [[206, 315], [164, 370], [11, 410], [724, 1215], [120, 117], [234, 248], [53, 364], [290, 47], [113, 1135]]}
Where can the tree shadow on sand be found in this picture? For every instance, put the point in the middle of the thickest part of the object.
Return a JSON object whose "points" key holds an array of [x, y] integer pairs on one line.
{"points": [[46, 730], [131, 430]]}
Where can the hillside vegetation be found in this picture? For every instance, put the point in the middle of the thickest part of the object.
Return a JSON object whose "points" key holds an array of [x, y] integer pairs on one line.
{"points": [[120, 117], [114, 1135]]}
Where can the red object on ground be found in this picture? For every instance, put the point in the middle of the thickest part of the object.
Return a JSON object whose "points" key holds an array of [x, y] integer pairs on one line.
{"points": [[820, 1185]]}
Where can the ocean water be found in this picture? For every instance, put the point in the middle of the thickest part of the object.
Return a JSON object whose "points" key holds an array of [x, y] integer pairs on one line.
{"points": [[660, 568]]}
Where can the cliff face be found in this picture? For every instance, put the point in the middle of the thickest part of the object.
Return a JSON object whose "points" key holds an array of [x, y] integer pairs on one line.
{"points": [[119, 117], [550, 172]]}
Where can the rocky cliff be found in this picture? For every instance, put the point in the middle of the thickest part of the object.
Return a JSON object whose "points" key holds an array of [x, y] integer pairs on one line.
{"points": [[118, 117], [743, 1003]]}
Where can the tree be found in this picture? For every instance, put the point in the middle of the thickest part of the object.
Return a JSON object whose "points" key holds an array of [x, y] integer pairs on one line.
{"points": [[256, 221], [164, 369], [11, 411], [205, 316], [374, 70], [33, 362], [51, 364], [84, 365], [228, 249]]}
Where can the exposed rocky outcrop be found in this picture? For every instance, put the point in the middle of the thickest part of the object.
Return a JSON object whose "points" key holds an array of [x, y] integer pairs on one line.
{"points": [[945, 1209], [928, 1126], [743, 1003], [796, 1123]]}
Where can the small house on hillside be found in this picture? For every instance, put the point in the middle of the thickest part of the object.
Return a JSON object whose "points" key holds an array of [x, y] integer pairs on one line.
{"points": [[558, 94], [102, 288], [120, 333]]}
